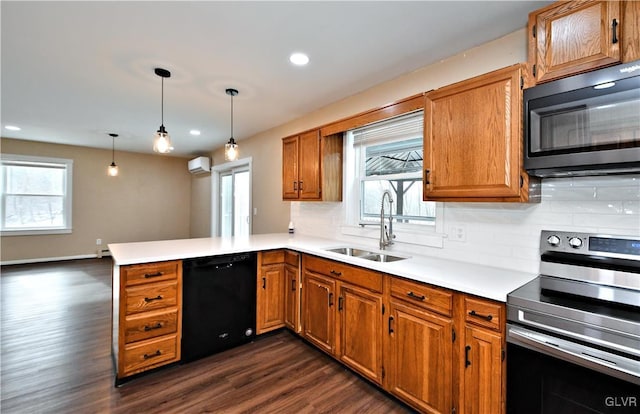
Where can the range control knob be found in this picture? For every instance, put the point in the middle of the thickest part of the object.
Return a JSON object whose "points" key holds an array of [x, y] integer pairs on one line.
{"points": [[553, 240], [575, 242]]}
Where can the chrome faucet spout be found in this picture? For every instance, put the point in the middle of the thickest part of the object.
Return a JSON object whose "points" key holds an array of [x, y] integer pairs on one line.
{"points": [[386, 234]]}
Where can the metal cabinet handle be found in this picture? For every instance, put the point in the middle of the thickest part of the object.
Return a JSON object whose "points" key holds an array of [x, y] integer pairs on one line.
{"points": [[264, 283], [340, 300], [390, 322], [293, 285], [155, 354], [614, 34], [156, 274], [152, 299], [330, 299], [477, 315], [335, 273], [295, 186], [418, 297], [148, 328], [300, 185], [426, 177], [467, 349]]}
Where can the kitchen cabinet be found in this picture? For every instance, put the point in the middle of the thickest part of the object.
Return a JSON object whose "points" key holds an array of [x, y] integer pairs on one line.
{"points": [[292, 291], [147, 307], [572, 37], [312, 167], [270, 291], [483, 380], [318, 310], [360, 330], [473, 140], [420, 346], [342, 311]]}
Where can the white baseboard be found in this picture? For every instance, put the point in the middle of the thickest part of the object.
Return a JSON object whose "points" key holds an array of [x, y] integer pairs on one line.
{"points": [[51, 259]]}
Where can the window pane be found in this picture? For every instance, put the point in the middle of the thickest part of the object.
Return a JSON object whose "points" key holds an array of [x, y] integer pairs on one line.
{"points": [[407, 206], [22, 179], [394, 158], [226, 205], [34, 211]]}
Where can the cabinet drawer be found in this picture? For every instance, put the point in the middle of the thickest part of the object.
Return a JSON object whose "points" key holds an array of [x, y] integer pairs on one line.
{"points": [[150, 272], [340, 271], [148, 354], [291, 258], [272, 257], [484, 312], [437, 300], [149, 325], [151, 296]]}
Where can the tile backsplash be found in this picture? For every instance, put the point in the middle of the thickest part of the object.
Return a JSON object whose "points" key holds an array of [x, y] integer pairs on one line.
{"points": [[505, 235]]}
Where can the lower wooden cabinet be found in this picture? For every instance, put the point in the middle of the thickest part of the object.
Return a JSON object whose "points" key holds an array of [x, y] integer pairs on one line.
{"points": [[482, 349], [420, 358], [292, 291], [147, 316], [319, 324], [360, 330]]}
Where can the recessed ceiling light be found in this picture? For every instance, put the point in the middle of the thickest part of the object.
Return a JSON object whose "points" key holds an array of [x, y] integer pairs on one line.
{"points": [[12, 128], [194, 132], [299, 59]]}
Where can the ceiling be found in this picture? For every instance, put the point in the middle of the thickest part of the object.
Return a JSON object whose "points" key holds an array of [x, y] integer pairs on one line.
{"points": [[72, 72]]}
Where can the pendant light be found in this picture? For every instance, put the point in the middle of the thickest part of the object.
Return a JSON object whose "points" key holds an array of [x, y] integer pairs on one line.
{"points": [[113, 168], [162, 140], [231, 148]]}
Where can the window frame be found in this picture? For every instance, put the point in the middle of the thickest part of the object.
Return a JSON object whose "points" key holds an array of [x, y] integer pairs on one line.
{"points": [[67, 165]]}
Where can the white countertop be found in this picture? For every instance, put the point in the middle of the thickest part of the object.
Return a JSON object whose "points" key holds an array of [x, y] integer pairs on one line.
{"points": [[485, 281]]}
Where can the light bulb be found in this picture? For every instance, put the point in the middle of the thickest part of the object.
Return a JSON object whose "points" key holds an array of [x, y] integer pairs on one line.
{"points": [[112, 170], [231, 152], [162, 143]]}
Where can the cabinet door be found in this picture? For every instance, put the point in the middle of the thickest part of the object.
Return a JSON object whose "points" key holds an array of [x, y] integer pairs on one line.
{"points": [[483, 372], [270, 298], [361, 331], [473, 138], [575, 37], [309, 167], [420, 358], [319, 311], [291, 296], [290, 168]]}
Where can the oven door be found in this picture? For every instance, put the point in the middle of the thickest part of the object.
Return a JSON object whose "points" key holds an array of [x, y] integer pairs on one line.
{"points": [[547, 375]]}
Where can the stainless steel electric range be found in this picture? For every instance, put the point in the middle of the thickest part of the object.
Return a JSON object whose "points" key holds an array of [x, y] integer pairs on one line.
{"points": [[573, 333]]}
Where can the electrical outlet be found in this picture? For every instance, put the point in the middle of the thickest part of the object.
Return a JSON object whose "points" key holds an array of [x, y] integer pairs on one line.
{"points": [[458, 233], [98, 242]]}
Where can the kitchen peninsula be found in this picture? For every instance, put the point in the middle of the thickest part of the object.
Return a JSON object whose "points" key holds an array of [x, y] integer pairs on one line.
{"points": [[424, 329]]}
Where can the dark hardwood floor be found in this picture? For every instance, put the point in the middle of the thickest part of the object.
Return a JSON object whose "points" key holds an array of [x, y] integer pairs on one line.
{"points": [[56, 358]]}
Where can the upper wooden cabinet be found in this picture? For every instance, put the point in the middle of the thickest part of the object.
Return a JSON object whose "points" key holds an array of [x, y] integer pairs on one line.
{"points": [[312, 167], [473, 140], [571, 37]]}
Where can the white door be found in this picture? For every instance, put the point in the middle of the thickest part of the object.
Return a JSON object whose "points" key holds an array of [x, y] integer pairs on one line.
{"points": [[233, 212]]}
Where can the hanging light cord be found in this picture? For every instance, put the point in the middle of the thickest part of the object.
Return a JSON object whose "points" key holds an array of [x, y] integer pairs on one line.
{"points": [[231, 115], [162, 103], [113, 150]]}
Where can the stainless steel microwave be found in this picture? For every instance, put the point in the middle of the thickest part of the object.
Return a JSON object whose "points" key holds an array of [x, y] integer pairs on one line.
{"points": [[587, 124]]}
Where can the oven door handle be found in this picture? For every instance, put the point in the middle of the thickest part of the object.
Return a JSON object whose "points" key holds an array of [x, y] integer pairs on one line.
{"points": [[607, 363]]}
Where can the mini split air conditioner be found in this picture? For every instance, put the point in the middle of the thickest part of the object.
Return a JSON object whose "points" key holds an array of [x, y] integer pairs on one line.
{"points": [[199, 165]]}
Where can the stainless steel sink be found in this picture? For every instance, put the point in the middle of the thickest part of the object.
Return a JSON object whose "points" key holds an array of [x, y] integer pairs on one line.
{"points": [[365, 254]]}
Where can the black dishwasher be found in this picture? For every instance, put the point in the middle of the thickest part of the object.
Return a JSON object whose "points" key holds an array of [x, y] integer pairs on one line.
{"points": [[219, 304]]}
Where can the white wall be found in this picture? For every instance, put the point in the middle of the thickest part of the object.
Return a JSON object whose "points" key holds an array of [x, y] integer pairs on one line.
{"points": [[505, 235]]}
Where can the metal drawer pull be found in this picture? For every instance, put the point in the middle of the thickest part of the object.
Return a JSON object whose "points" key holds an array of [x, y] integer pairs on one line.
{"points": [[614, 26], [466, 356], [293, 285], [335, 273], [414, 296], [156, 274], [148, 328], [264, 283], [330, 299], [477, 315], [390, 322], [340, 299], [152, 299], [155, 354], [295, 186]]}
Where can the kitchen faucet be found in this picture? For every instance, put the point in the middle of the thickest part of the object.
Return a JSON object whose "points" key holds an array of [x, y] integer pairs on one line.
{"points": [[386, 237]]}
